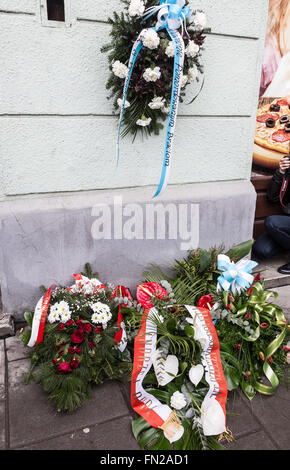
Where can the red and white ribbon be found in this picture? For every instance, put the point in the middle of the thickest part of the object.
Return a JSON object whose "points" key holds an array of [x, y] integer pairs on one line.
{"points": [[39, 318], [213, 417], [145, 404]]}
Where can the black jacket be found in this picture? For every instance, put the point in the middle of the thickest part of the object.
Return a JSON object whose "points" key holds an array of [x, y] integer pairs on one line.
{"points": [[274, 188]]}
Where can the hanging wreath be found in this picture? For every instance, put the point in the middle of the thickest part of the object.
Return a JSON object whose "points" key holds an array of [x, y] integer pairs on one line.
{"points": [[149, 93]]}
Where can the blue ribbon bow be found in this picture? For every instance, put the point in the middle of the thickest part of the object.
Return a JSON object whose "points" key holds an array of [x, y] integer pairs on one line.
{"points": [[236, 276]]}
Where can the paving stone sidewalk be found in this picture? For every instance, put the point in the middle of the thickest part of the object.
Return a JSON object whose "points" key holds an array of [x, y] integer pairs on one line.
{"points": [[29, 421]]}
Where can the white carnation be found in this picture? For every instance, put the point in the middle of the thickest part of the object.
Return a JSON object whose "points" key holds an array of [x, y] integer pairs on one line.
{"points": [[200, 20], [192, 73], [150, 39], [54, 314], [166, 109], [157, 103], [169, 51], [184, 80], [120, 103], [151, 75], [192, 49], [136, 8], [178, 401], [119, 69], [143, 122]]}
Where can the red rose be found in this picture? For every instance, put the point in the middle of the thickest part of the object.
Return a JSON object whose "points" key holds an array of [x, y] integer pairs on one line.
{"points": [[264, 325], [205, 301], [64, 368], [61, 326], [54, 361], [148, 290], [98, 330], [86, 327], [74, 363], [70, 322], [91, 345], [78, 336]]}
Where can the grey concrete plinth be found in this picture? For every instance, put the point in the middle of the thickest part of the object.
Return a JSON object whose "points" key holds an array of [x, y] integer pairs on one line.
{"points": [[6, 325], [15, 348], [45, 239], [283, 299]]}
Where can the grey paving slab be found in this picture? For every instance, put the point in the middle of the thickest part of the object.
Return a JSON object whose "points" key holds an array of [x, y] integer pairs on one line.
{"points": [[271, 275], [33, 417], [15, 348], [256, 441], [113, 435], [2, 369], [2, 425], [240, 419], [274, 415]]}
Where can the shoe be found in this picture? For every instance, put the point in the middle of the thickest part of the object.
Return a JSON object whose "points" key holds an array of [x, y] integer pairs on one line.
{"points": [[285, 269]]}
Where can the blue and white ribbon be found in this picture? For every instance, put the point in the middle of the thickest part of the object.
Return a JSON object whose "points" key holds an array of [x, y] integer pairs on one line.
{"points": [[236, 276], [171, 16]]}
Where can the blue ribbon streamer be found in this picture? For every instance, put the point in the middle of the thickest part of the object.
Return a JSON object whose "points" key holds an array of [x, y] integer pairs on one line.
{"points": [[175, 15]]}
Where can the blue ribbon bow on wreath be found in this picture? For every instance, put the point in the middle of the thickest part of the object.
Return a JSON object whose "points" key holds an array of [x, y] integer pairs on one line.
{"points": [[171, 16], [236, 276]]}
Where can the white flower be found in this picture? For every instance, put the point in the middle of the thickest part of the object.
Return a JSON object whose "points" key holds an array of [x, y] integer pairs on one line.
{"points": [[192, 49], [136, 8], [178, 401], [150, 39], [169, 51], [151, 75], [119, 69], [200, 20], [54, 314], [120, 103], [184, 80], [288, 358], [88, 288], [166, 109], [95, 318], [157, 103], [196, 374], [63, 311], [143, 122], [192, 73]]}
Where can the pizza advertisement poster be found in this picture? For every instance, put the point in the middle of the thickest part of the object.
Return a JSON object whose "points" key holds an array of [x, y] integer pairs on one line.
{"points": [[272, 135]]}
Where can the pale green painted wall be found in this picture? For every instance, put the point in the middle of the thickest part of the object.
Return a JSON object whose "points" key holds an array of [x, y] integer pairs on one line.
{"points": [[56, 128]]}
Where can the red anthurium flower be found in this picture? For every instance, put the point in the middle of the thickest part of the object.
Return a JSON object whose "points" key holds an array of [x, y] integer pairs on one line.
{"points": [[78, 336], [61, 327], [264, 325], [205, 301], [91, 345], [148, 290], [64, 368], [74, 363], [121, 291]]}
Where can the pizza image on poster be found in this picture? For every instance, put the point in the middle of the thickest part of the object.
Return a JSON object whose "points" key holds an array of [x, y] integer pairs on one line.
{"points": [[272, 135]]}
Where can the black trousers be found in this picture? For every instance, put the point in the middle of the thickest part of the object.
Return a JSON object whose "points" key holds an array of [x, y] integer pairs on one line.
{"points": [[275, 239]]}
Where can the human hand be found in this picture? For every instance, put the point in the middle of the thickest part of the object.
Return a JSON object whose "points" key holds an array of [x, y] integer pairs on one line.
{"points": [[284, 164]]}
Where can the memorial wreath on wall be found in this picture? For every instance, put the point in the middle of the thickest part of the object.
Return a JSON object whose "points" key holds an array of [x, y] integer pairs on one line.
{"points": [[154, 54]]}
